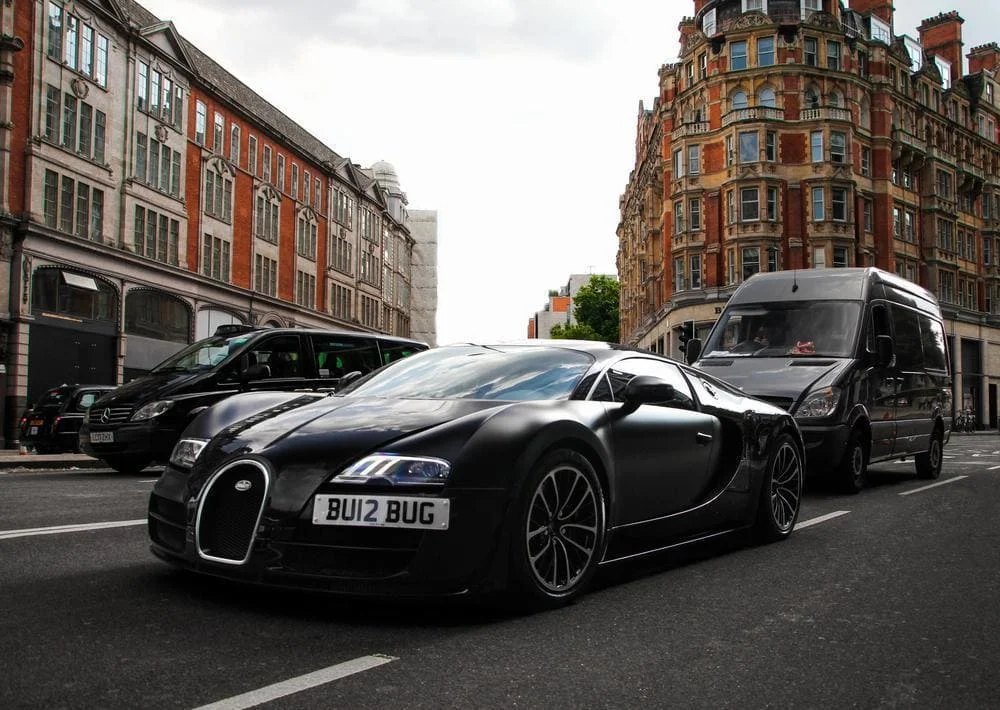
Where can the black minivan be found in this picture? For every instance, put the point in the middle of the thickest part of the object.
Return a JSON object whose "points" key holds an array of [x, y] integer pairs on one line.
{"points": [[140, 421], [858, 355]]}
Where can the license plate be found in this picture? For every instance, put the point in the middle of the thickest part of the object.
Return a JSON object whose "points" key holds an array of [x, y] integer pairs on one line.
{"points": [[102, 437], [37, 422], [382, 511], [32, 431]]}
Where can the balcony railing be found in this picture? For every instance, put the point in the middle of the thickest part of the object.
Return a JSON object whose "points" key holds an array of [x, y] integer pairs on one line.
{"points": [[908, 139], [970, 169], [757, 113], [692, 129], [826, 114]]}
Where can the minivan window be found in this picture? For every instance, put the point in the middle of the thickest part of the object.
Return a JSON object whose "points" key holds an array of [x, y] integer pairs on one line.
{"points": [[336, 355], [932, 336], [909, 352], [792, 328]]}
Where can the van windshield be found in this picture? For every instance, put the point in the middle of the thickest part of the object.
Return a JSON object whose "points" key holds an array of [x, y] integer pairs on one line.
{"points": [[796, 329], [201, 356]]}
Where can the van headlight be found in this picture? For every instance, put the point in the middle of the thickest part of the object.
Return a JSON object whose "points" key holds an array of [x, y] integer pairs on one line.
{"points": [[186, 452], [152, 410], [393, 468], [819, 403]]}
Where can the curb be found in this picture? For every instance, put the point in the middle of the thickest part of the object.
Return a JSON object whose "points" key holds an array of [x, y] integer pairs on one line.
{"points": [[49, 461]]}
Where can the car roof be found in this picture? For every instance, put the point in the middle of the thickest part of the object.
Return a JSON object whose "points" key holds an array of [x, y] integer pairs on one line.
{"points": [[260, 331]]}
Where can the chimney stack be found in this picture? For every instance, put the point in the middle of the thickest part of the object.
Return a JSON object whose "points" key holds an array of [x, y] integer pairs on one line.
{"points": [[985, 56], [882, 9], [941, 35]]}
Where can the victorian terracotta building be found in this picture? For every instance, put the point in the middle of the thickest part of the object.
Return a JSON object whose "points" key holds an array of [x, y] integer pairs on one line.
{"points": [[148, 196], [799, 134]]}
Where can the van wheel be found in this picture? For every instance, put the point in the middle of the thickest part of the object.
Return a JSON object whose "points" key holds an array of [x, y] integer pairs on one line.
{"points": [[852, 472], [128, 465], [929, 462]]}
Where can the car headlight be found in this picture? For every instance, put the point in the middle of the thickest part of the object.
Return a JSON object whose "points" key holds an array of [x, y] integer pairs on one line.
{"points": [[393, 468], [151, 410], [186, 452], [819, 403]]}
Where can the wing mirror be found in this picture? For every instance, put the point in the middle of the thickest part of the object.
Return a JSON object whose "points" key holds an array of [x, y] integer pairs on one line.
{"points": [[348, 379], [646, 389], [692, 350], [884, 351]]}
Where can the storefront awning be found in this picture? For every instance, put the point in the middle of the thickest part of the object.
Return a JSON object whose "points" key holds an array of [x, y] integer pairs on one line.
{"points": [[84, 282]]}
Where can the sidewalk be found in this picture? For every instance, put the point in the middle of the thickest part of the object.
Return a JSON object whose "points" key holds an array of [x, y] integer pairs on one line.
{"points": [[11, 459]]}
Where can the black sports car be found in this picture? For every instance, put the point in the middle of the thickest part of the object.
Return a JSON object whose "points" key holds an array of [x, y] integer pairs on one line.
{"points": [[476, 468]]}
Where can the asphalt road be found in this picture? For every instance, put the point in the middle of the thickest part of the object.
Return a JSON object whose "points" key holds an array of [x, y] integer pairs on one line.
{"points": [[891, 603]]}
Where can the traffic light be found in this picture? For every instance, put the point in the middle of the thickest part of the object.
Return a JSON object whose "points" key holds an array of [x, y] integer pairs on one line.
{"points": [[687, 332]]}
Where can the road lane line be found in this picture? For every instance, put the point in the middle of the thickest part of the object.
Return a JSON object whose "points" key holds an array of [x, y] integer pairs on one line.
{"points": [[993, 468], [28, 532], [302, 682], [933, 485], [821, 519]]}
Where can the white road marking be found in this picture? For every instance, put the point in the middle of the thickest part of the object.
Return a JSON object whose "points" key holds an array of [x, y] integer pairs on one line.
{"points": [[151, 480], [28, 532], [993, 468], [821, 519], [302, 682], [933, 485]]}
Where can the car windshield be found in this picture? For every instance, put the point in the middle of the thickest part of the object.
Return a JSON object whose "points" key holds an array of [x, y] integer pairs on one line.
{"points": [[514, 373], [796, 329], [203, 355]]}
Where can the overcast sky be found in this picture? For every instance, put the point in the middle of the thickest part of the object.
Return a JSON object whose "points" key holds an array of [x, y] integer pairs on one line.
{"points": [[514, 119]]}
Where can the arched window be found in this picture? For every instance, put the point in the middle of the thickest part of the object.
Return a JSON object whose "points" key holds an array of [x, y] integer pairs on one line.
{"points": [[835, 101], [765, 97], [812, 98], [161, 316], [68, 293], [739, 100]]}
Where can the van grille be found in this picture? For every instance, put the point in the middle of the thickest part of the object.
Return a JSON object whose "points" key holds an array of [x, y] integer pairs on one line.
{"points": [[783, 402], [110, 415], [230, 510]]}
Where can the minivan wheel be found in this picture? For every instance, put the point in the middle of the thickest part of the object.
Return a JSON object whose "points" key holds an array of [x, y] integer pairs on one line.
{"points": [[128, 465], [929, 463], [852, 472]]}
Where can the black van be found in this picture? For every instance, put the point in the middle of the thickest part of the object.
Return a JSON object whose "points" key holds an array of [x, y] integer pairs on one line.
{"points": [[858, 355], [140, 421]]}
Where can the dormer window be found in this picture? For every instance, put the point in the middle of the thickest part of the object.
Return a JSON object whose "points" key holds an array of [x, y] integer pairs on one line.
{"points": [[811, 6], [755, 6], [708, 25]]}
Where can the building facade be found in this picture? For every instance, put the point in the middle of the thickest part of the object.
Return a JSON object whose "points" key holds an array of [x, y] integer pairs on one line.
{"points": [[795, 134], [559, 309], [149, 196]]}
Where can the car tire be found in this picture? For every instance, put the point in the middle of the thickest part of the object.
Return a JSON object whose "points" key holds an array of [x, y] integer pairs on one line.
{"points": [[128, 465], [929, 463], [852, 471], [780, 491], [559, 528]]}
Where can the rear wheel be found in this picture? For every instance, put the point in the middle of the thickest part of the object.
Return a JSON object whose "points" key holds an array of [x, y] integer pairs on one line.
{"points": [[929, 463], [559, 530], [781, 492], [128, 465], [852, 472]]}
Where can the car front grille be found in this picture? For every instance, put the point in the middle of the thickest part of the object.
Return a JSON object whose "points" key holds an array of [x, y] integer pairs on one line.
{"points": [[231, 506], [111, 416], [783, 402]]}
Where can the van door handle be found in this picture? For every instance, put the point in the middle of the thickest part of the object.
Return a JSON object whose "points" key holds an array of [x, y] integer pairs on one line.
{"points": [[703, 439]]}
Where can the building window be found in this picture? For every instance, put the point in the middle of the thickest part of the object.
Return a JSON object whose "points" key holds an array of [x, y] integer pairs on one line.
{"points": [[157, 165], [866, 161], [678, 164], [219, 130], [696, 271], [819, 210], [281, 173], [909, 220], [234, 144], [833, 55], [50, 198], [944, 181], [679, 284], [811, 51], [840, 257], [731, 207], [765, 52], [838, 147], [749, 204], [317, 194], [897, 222], [343, 209], [839, 204], [341, 258], [772, 204], [772, 259], [708, 24], [53, 107], [306, 186], [816, 143], [200, 122], [703, 65], [946, 286], [946, 235], [754, 5], [267, 218], [730, 267], [738, 55], [267, 163], [694, 210], [812, 98], [295, 181], [749, 147], [866, 207], [305, 289], [155, 236], [74, 42], [751, 261], [80, 208], [252, 156], [739, 100], [678, 217], [215, 258], [305, 238], [766, 98], [770, 146], [694, 159], [265, 275], [340, 301], [218, 194], [819, 258]]}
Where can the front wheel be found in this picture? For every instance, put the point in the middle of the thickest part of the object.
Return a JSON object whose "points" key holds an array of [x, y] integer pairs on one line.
{"points": [[852, 472], [128, 465], [559, 530], [929, 463], [781, 491]]}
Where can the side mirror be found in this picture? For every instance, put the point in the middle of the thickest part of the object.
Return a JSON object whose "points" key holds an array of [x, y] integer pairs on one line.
{"points": [[692, 351], [646, 389], [884, 352], [348, 379], [259, 371]]}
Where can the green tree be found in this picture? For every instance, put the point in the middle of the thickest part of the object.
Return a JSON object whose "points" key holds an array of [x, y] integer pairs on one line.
{"points": [[595, 307]]}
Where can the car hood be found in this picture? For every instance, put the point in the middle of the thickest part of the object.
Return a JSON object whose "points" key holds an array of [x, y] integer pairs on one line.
{"points": [[144, 389], [781, 381]]}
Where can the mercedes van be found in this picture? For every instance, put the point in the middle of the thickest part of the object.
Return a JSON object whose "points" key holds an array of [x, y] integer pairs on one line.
{"points": [[140, 421], [858, 356]]}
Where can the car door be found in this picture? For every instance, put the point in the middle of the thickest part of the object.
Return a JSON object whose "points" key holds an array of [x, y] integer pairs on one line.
{"points": [[909, 379], [878, 390], [665, 453]]}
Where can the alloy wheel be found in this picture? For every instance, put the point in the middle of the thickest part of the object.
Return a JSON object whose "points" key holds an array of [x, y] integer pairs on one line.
{"points": [[562, 529], [786, 486]]}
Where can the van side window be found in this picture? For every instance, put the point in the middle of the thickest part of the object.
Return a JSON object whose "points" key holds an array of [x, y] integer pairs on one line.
{"points": [[879, 325], [392, 352], [906, 327], [336, 355], [282, 355], [932, 337]]}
